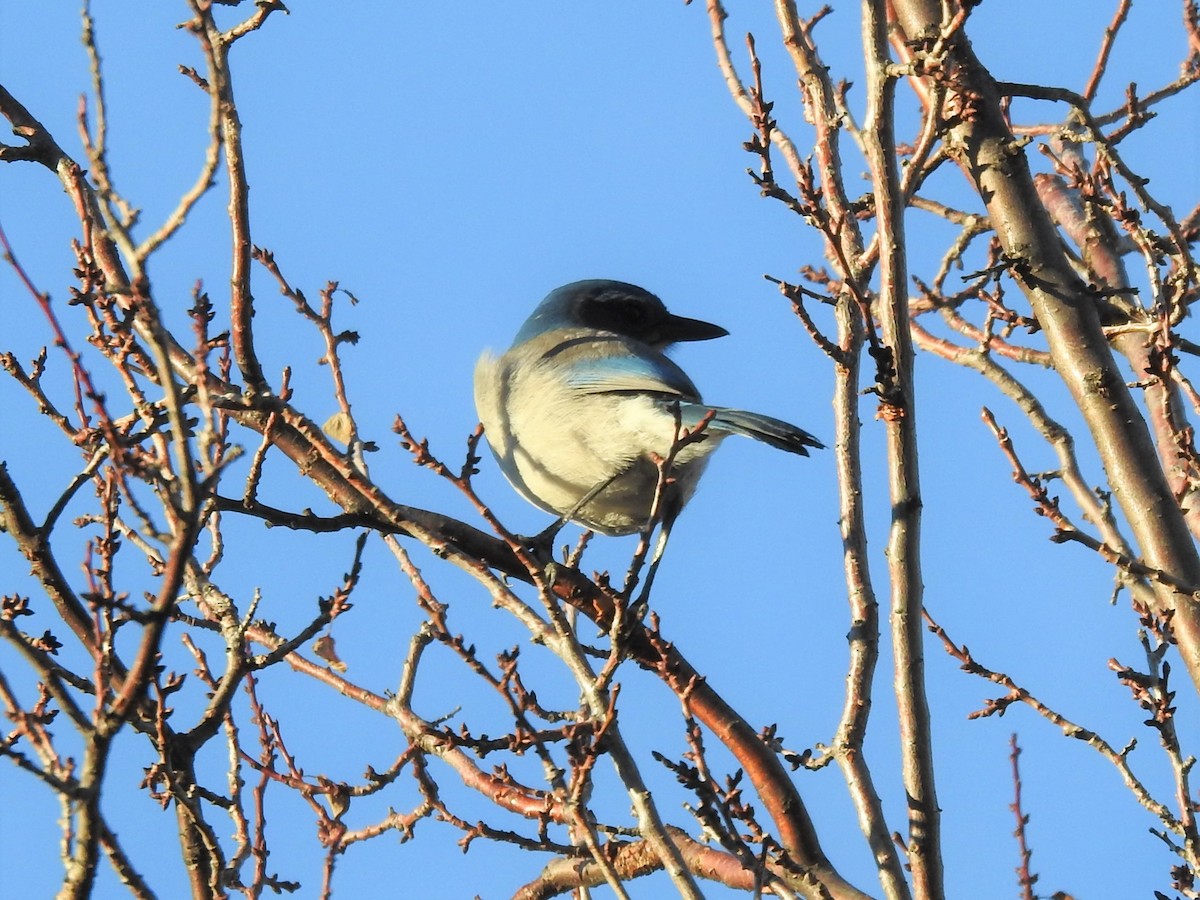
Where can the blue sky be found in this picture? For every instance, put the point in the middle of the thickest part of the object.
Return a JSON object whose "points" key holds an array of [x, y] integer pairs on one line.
{"points": [[450, 164]]}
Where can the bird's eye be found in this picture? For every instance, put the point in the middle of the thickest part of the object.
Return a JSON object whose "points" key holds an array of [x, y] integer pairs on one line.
{"points": [[632, 312], [621, 312]]}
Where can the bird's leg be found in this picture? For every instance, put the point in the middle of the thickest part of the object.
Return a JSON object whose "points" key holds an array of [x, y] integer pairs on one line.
{"points": [[669, 500], [543, 541], [670, 511]]}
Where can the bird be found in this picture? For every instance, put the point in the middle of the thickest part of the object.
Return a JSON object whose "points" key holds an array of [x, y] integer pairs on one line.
{"points": [[585, 405]]}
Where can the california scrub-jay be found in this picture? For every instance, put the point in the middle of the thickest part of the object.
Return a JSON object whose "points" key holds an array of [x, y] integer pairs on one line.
{"points": [[583, 400]]}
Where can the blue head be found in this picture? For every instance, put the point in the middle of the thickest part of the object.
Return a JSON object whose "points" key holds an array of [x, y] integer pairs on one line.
{"points": [[616, 307]]}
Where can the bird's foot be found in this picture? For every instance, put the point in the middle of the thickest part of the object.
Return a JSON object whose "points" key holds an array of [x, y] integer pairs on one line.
{"points": [[541, 545]]}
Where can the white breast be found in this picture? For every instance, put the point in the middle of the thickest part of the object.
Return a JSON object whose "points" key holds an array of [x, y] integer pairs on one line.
{"points": [[556, 444]]}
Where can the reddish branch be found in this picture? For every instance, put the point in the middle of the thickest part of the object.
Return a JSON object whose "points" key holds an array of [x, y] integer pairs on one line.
{"points": [[632, 860], [1093, 83], [1025, 878]]}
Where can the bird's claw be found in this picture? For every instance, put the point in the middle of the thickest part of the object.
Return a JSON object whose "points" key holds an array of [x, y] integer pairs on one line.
{"points": [[541, 545]]}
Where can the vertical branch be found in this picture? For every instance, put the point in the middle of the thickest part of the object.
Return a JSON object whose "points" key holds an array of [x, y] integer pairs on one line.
{"points": [[830, 211], [898, 409], [864, 607], [216, 45], [80, 874], [1025, 877]]}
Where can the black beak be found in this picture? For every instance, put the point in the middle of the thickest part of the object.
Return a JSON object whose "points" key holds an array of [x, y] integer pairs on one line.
{"points": [[680, 328]]}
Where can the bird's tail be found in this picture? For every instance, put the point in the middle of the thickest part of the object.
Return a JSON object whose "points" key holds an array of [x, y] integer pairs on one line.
{"points": [[771, 431]]}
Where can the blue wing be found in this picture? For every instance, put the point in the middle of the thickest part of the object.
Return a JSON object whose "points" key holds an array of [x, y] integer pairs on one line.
{"points": [[607, 365], [615, 369]]}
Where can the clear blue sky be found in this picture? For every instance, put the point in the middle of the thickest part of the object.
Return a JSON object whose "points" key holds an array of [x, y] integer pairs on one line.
{"points": [[451, 163]]}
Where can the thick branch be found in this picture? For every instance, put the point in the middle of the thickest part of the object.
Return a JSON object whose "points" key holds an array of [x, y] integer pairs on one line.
{"points": [[980, 141]]}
